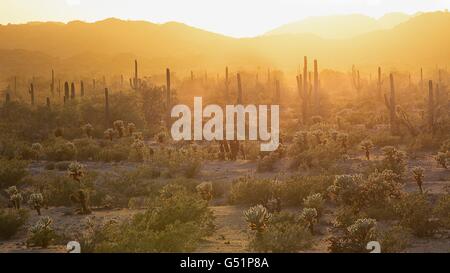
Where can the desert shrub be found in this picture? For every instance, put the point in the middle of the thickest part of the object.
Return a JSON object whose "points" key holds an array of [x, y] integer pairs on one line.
{"points": [[11, 221], [395, 239], [62, 166], [355, 237], [393, 160], [175, 222], [413, 211], [442, 211], [11, 171], [87, 149], [385, 138], [60, 150], [115, 153], [253, 191], [266, 163], [41, 234], [346, 190], [295, 189], [443, 156], [283, 234]]}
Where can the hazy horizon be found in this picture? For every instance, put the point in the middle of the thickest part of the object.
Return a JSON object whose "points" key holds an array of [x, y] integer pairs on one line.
{"points": [[213, 16]]}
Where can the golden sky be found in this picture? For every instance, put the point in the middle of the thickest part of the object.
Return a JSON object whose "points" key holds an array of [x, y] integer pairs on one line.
{"points": [[238, 18]]}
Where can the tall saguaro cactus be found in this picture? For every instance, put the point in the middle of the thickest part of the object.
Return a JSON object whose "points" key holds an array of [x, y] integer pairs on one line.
{"points": [[136, 83], [31, 92], [66, 91], [421, 79], [379, 83], [48, 103], [72, 91], [7, 98], [81, 88], [316, 88], [433, 104], [356, 80], [107, 121], [239, 86], [52, 85], [391, 105], [305, 73], [227, 83], [168, 90]]}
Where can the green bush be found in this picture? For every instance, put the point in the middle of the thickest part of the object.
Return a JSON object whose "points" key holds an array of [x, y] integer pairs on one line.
{"points": [[442, 211], [87, 149], [11, 221], [295, 189], [413, 211], [174, 222], [253, 191], [11, 172], [395, 239], [60, 150]]}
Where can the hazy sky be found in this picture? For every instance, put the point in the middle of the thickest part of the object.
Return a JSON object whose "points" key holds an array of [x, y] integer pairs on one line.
{"points": [[238, 18]]}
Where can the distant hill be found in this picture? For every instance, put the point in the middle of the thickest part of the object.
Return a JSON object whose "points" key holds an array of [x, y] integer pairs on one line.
{"points": [[111, 45], [340, 26]]}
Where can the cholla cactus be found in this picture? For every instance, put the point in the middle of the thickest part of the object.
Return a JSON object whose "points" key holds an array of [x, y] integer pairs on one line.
{"points": [[257, 218], [109, 134], [443, 158], [138, 135], [318, 134], [367, 145], [36, 201], [42, 233], [315, 201], [131, 127], [418, 176], [205, 189], [87, 129], [141, 148], [76, 171], [334, 135], [37, 149], [81, 198], [362, 231], [309, 217], [15, 197], [119, 125]]}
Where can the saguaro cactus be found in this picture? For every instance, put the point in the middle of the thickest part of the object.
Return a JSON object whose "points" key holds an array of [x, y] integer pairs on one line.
{"points": [[52, 85], [136, 83], [356, 80], [7, 98], [66, 91], [239, 86], [81, 88], [107, 122], [304, 98], [168, 91], [227, 83], [31, 92], [305, 74], [277, 99], [421, 79], [379, 83], [316, 88], [48, 103], [72, 91], [432, 106], [391, 105]]}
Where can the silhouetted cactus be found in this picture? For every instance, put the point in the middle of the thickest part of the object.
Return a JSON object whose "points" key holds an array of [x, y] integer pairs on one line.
{"points": [[239, 91], [418, 177], [432, 107], [366, 146], [136, 83], [7, 98], [391, 106], [47, 102], [356, 80], [36, 201], [66, 92], [31, 92], [316, 88], [52, 84], [107, 122], [81, 88], [72, 91], [379, 84]]}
